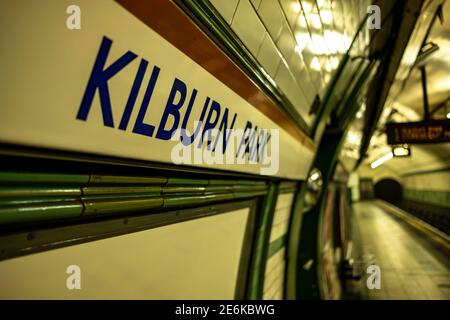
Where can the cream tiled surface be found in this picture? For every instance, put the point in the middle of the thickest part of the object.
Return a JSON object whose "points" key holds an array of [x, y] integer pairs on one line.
{"points": [[411, 267], [271, 15], [275, 265], [247, 26], [283, 77], [274, 277], [308, 40], [226, 8], [256, 3], [286, 41], [291, 9], [269, 56]]}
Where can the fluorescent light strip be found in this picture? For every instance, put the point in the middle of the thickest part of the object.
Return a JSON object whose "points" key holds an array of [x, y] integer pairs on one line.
{"points": [[381, 160]]}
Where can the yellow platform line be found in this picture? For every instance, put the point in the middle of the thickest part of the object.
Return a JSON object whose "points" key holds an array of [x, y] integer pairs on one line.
{"points": [[436, 235]]}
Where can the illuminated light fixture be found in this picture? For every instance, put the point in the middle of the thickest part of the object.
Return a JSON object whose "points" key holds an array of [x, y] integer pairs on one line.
{"points": [[302, 21], [315, 20], [295, 7], [334, 63], [381, 160], [319, 46], [401, 151], [307, 7], [302, 41], [327, 16], [315, 176], [448, 115], [315, 64]]}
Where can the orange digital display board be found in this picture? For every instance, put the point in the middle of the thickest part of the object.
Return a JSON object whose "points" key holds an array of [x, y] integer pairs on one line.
{"points": [[430, 131]]}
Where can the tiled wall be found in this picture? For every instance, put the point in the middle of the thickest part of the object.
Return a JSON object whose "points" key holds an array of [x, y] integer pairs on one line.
{"points": [[275, 265], [299, 44], [430, 188]]}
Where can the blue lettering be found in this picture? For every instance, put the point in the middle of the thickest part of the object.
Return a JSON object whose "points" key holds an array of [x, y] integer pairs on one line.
{"points": [[215, 108], [223, 129], [188, 140], [172, 109], [99, 80], [139, 126], [244, 140], [133, 95]]}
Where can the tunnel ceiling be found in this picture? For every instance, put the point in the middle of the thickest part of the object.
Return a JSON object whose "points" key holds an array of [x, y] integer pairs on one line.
{"points": [[408, 104], [438, 72]]}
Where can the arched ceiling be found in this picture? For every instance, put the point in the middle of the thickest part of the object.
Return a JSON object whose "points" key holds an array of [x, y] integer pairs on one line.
{"points": [[437, 69], [408, 106]]}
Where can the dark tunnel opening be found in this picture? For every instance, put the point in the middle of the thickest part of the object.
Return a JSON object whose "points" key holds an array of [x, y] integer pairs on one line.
{"points": [[388, 190]]}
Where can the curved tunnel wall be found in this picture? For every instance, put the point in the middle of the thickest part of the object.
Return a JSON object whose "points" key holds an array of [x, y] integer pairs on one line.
{"points": [[431, 187]]}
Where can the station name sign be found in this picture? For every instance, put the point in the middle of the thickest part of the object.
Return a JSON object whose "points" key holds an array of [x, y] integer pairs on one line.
{"points": [[429, 131]]}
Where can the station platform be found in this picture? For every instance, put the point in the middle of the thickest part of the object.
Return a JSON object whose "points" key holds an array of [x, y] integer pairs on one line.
{"points": [[414, 261]]}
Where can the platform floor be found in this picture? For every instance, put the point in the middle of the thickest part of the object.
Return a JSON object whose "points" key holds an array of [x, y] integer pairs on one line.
{"points": [[412, 265]]}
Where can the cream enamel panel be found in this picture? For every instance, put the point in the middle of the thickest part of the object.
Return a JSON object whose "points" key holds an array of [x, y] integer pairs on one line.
{"points": [[46, 67], [274, 277], [198, 259]]}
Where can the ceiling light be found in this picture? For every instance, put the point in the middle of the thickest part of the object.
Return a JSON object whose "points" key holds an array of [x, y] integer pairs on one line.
{"points": [[401, 151], [381, 160]]}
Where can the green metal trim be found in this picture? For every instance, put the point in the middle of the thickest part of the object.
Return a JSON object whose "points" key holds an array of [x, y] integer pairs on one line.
{"points": [[119, 206], [326, 106], [40, 212], [293, 243], [422, 172], [184, 181], [260, 250], [120, 190], [239, 195], [206, 16], [41, 239], [35, 200], [339, 110], [194, 200], [276, 245], [287, 187], [31, 177], [435, 197], [34, 193], [351, 102], [183, 189], [105, 179]]}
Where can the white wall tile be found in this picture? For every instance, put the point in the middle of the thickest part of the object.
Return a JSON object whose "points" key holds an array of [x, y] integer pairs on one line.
{"points": [[270, 13], [284, 200], [301, 104], [283, 77], [255, 3], [291, 9], [226, 8], [247, 26], [268, 56], [279, 230], [286, 42], [281, 215], [301, 75], [274, 260]]}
